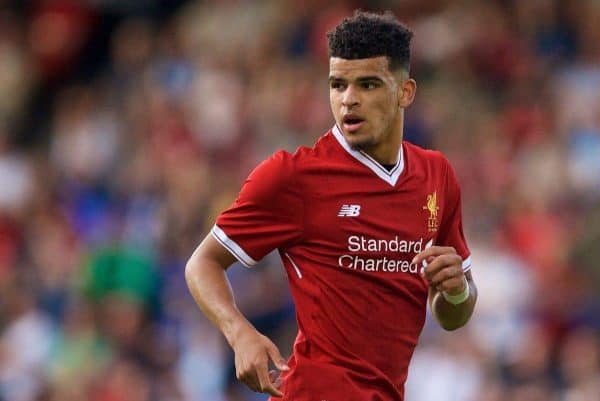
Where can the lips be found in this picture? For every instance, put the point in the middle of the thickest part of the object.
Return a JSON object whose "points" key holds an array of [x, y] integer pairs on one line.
{"points": [[352, 122]]}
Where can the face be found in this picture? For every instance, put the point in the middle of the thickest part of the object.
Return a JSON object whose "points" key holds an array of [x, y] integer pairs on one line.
{"points": [[367, 101]]}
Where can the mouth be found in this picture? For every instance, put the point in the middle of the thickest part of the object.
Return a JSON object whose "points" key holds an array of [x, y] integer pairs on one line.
{"points": [[352, 122]]}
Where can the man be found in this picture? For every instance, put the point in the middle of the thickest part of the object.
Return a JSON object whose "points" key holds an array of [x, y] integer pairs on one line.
{"points": [[368, 228]]}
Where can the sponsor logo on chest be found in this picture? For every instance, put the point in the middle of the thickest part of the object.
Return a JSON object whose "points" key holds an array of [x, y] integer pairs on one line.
{"points": [[386, 254], [349, 211]]}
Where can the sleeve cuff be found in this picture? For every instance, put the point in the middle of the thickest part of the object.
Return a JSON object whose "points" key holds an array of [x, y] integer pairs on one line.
{"points": [[466, 264], [232, 247]]}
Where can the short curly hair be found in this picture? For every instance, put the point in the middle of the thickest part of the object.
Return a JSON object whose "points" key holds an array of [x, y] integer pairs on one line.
{"points": [[366, 35]]}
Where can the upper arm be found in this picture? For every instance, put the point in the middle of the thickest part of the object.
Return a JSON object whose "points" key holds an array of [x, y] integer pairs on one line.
{"points": [[211, 249]]}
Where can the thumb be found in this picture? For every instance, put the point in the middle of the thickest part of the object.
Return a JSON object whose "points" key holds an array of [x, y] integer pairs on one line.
{"points": [[277, 359]]}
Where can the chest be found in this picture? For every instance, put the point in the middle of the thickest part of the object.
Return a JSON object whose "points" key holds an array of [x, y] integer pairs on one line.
{"points": [[361, 207]]}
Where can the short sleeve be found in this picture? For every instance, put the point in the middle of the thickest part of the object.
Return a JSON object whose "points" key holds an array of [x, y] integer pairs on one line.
{"points": [[451, 228], [267, 213]]}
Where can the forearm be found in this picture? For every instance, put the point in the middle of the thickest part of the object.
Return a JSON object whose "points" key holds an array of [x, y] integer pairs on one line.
{"points": [[448, 315], [211, 290]]}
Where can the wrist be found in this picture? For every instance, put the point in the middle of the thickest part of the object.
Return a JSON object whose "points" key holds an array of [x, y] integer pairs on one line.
{"points": [[236, 329], [457, 299]]}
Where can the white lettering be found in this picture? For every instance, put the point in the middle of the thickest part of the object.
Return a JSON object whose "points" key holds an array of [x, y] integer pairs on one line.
{"points": [[420, 246], [404, 247], [380, 248], [353, 243], [341, 261]]}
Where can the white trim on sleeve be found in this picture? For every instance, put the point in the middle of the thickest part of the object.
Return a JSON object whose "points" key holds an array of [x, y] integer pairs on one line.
{"points": [[466, 264], [232, 247]]}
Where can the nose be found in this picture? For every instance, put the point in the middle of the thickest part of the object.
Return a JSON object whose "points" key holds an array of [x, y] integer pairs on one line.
{"points": [[350, 98]]}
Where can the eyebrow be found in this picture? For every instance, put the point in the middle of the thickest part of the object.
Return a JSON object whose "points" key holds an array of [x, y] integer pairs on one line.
{"points": [[359, 79]]}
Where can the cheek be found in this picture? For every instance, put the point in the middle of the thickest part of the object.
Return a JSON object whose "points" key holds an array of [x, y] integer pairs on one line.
{"points": [[334, 102], [384, 109]]}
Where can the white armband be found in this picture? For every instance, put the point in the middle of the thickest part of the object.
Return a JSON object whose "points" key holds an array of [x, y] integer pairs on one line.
{"points": [[458, 298]]}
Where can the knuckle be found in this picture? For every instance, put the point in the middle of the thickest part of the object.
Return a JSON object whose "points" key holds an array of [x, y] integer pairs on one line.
{"points": [[451, 258], [452, 283], [456, 285], [442, 259]]}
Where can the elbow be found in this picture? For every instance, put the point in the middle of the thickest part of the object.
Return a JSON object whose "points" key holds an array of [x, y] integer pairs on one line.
{"points": [[190, 271]]}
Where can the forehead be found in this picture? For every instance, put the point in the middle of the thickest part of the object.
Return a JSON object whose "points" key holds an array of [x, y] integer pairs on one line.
{"points": [[352, 69]]}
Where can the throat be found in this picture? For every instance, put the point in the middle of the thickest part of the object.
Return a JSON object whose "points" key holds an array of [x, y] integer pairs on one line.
{"points": [[388, 167]]}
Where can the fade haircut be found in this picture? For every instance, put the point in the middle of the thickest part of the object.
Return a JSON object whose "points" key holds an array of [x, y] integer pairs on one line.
{"points": [[366, 35]]}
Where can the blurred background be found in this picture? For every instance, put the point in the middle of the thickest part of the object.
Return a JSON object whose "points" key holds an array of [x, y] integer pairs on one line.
{"points": [[127, 125]]}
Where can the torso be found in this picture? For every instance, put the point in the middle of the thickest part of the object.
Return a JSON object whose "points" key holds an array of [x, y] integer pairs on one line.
{"points": [[361, 304]]}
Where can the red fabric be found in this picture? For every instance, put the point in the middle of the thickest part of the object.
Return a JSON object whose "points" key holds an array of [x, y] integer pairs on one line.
{"points": [[358, 326]]}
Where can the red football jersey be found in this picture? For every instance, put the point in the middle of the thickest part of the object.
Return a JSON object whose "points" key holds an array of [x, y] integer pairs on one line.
{"points": [[347, 229]]}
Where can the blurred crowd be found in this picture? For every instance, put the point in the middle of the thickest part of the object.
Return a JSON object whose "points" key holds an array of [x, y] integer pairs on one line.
{"points": [[127, 126]]}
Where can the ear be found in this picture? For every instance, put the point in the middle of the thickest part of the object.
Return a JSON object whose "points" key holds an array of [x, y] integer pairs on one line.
{"points": [[407, 91]]}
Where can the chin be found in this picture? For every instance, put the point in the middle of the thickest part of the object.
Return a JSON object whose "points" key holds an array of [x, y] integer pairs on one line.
{"points": [[359, 143]]}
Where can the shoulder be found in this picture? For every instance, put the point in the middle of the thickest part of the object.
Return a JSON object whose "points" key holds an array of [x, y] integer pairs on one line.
{"points": [[323, 149], [276, 174], [281, 164], [433, 161], [271, 175], [432, 165], [285, 168]]}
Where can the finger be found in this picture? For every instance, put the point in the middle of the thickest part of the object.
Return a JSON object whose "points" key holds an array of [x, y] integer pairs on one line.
{"points": [[274, 375], [277, 359], [250, 379], [440, 263], [433, 251], [275, 378], [446, 278], [453, 286], [272, 390], [246, 374], [266, 386]]}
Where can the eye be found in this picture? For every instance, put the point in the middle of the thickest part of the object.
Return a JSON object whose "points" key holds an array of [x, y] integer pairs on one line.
{"points": [[370, 85], [337, 85]]}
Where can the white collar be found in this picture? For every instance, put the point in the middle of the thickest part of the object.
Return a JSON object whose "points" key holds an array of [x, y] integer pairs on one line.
{"points": [[391, 176]]}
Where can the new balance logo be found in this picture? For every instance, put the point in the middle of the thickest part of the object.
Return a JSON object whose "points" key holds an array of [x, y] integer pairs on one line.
{"points": [[349, 211]]}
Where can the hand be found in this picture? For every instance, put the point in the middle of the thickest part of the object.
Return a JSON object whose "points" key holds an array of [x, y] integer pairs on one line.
{"points": [[252, 354], [444, 269]]}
